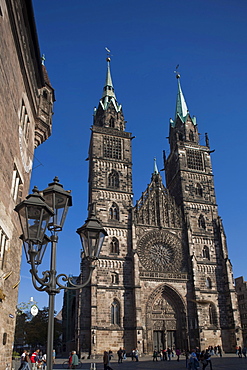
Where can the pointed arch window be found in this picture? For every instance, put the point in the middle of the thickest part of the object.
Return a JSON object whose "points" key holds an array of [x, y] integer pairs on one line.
{"points": [[199, 190], [112, 122], [114, 246], [201, 222], [208, 283], [191, 135], [205, 253], [113, 179], [115, 313], [114, 212], [212, 315]]}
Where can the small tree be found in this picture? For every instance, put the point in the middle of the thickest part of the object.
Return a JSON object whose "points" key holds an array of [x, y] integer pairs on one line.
{"points": [[32, 330]]}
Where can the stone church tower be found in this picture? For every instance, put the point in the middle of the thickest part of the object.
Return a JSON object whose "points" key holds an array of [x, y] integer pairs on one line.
{"points": [[163, 277]]}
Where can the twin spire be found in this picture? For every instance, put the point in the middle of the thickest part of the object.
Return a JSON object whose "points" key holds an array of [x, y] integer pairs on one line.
{"points": [[109, 97]]}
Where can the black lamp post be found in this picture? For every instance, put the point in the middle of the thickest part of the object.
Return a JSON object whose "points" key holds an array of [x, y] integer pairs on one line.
{"points": [[36, 214]]}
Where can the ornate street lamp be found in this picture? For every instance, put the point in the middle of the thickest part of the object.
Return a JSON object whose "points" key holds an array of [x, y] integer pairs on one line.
{"points": [[37, 250], [92, 237], [59, 200], [36, 214]]}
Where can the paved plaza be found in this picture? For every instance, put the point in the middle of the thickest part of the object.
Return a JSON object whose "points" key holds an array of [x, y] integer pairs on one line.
{"points": [[227, 362]]}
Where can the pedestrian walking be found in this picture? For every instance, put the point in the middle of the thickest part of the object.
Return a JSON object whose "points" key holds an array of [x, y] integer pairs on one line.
{"points": [[74, 360], [178, 353], [120, 355], [35, 359], [169, 353], [106, 360], [155, 355], [136, 355]]}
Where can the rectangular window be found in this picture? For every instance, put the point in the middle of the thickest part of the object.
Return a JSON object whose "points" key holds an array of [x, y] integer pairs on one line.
{"points": [[3, 246], [112, 147], [17, 186], [194, 159]]}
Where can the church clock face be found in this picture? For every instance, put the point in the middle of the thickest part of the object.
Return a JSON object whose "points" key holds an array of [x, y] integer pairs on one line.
{"points": [[160, 251]]}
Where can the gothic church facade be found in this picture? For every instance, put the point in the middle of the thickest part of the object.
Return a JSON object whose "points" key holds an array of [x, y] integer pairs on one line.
{"points": [[163, 278]]}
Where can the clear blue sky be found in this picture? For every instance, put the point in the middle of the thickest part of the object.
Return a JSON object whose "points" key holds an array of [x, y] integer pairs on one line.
{"points": [[207, 38]]}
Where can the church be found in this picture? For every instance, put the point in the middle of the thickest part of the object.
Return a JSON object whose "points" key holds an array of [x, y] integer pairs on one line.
{"points": [[163, 278]]}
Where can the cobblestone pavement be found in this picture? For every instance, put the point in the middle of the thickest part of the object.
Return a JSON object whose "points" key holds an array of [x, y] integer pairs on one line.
{"points": [[227, 362]]}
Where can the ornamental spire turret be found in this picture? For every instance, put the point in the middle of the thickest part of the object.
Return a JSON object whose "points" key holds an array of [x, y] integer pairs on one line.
{"points": [[184, 127], [108, 88], [108, 95], [109, 112]]}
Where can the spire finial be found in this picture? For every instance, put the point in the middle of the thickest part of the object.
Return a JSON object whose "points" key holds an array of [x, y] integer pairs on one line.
{"points": [[43, 59], [155, 167], [108, 53], [176, 71]]}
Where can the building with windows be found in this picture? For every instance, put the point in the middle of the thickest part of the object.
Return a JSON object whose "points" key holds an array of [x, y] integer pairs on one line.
{"points": [[241, 289], [163, 278], [26, 103]]}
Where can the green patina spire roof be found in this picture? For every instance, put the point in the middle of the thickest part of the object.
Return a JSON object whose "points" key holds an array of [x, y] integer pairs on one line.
{"points": [[181, 106], [108, 91], [108, 88]]}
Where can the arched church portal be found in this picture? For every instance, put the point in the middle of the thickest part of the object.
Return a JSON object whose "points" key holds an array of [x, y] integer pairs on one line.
{"points": [[165, 320]]}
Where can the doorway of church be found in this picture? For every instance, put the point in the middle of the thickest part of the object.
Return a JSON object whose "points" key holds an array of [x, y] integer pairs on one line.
{"points": [[158, 340], [164, 339], [171, 338]]}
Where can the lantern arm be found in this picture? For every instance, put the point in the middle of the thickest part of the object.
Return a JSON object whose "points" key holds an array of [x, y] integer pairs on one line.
{"points": [[68, 279], [41, 288], [45, 281]]}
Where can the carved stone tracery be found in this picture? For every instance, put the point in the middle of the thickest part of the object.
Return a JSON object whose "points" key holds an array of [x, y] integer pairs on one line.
{"points": [[160, 251]]}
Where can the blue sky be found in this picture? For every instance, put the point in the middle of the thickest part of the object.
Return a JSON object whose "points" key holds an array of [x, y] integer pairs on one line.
{"points": [[207, 38]]}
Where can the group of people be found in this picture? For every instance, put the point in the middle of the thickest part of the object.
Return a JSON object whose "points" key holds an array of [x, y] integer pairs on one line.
{"points": [[166, 354], [34, 360], [195, 357], [135, 354], [121, 355], [241, 351]]}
